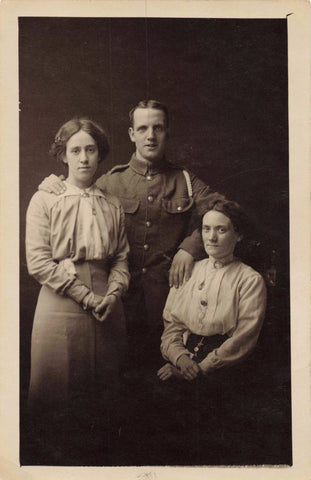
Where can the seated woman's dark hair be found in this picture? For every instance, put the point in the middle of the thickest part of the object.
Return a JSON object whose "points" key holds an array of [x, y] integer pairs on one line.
{"points": [[235, 212], [58, 147], [250, 248]]}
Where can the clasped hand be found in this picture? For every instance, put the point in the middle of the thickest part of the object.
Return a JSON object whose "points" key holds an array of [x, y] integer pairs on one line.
{"points": [[101, 307], [186, 368]]}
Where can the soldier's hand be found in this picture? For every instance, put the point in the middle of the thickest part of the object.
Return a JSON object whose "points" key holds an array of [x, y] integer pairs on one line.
{"points": [[53, 184], [181, 268]]}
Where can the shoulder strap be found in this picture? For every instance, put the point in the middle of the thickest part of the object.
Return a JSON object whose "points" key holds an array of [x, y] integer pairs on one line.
{"points": [[188, 182], [118, 168]]}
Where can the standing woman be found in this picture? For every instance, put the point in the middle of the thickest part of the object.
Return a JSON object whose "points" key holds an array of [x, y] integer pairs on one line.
{"points": [[77, 249]]}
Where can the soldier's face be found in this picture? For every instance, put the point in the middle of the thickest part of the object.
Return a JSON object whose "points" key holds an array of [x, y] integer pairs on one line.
{"points": [[149, 133]]}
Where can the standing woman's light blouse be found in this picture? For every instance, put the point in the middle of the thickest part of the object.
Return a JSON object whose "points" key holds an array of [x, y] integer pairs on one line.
{"points": [[95, 230], [222, 297]]}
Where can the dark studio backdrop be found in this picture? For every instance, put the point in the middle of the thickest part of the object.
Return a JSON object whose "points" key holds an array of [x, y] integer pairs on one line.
{"points": [[225, 82]]}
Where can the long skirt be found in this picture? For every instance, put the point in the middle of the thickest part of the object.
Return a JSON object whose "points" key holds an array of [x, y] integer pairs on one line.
{"points": [[74, 357]]}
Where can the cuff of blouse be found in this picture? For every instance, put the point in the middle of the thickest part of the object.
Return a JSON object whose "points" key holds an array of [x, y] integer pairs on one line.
{"points": [[77, 291], [115, 289], [207, 366], [176, 356]]}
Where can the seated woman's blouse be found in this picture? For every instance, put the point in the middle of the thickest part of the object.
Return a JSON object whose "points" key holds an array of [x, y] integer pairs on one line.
{"points": [[78, 225], [219, 298]]}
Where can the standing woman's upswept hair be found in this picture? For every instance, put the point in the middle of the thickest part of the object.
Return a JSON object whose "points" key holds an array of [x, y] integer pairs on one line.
{"points": [[66, 131]]}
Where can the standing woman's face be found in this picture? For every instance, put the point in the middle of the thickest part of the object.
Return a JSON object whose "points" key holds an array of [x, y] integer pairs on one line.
{"points": [[82, 158]]}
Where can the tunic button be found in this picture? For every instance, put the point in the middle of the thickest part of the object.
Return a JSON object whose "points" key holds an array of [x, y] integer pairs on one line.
{"points": [[179, 209], [144, 270], [148, 224], [203, 303], [150, 198], [149, 177], [146, 246]]}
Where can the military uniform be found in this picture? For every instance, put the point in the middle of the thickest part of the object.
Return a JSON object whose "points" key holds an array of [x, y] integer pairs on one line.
{"points": [[160, 202]]}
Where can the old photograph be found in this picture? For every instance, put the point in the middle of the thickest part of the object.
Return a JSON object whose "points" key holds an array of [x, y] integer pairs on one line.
{"points": [[154, 281], [155, 240]]}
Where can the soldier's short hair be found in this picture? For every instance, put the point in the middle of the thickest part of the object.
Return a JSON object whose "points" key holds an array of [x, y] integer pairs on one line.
{"points": [[149, 104]]}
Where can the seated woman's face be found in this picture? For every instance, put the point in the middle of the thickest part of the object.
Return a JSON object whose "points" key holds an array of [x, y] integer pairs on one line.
{"points": [[82, 159], [219, 236]]}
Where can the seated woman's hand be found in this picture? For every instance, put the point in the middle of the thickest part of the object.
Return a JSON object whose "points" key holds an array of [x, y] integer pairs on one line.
{"points": [[189, 369], [167, 371]]}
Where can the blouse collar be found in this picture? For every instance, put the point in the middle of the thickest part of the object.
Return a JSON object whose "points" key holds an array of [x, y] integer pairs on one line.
{"points": [[215, 263], [89, 191]]}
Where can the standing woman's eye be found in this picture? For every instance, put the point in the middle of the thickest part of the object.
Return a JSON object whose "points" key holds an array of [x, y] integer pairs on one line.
{"points": [[75, 151]]}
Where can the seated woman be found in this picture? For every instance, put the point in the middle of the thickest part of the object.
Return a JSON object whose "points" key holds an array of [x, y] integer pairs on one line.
{"points": [[77, 249], [213, 321]]}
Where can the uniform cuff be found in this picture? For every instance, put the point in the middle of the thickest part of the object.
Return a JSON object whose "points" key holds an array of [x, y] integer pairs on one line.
{"points": [[197, 251]]}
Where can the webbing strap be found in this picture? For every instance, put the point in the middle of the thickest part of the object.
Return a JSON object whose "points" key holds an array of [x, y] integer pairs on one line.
{"points": [[188, 182]]}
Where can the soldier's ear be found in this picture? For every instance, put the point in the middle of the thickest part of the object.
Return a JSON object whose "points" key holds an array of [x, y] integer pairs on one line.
{"points": [[131, 134]]}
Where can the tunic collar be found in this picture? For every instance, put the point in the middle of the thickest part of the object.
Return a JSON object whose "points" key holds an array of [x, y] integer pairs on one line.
{"points": [[143, 168]]}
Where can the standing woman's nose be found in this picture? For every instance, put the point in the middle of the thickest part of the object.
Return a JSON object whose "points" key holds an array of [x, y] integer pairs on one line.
{"points": [[83, 156]]}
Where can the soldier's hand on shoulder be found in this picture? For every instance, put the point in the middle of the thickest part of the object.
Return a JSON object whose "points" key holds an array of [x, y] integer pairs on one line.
{"points": [[181, 268], [53, 184]]}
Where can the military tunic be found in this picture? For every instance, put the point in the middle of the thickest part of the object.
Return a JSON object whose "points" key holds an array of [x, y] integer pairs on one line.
{"points": [[159, 210]]}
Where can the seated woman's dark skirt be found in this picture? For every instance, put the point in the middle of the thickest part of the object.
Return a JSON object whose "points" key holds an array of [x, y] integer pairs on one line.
{"points": [[201, 346]]}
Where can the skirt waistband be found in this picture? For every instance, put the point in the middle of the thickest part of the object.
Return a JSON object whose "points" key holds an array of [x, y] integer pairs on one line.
{"points": [[201, 346]]}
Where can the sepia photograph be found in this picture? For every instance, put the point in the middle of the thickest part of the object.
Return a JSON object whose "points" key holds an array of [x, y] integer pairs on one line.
{"points": [[207, 132], [155, 324]]}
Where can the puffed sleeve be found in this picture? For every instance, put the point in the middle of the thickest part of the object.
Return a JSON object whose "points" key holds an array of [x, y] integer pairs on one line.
{"points": [[251, 312], [119, 276], [202, 195], [39, 258], [172, 345]]}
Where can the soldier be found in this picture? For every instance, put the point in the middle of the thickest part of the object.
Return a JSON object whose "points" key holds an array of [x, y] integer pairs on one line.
{"points": [[160, 200]]}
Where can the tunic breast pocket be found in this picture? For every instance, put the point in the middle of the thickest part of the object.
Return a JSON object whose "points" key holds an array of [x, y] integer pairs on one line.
{"points": [[131, 208], [175, 221], [177, 205]]}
